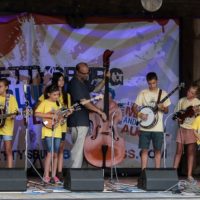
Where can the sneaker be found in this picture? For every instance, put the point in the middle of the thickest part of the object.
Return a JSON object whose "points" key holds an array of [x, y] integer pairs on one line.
{"points": [[60, 176], [56, 180], [52, 180], [46, 179], [192, 180]]}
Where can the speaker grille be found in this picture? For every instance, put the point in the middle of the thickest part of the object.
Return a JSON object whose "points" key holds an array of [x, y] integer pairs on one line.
{"points": [[13, 180], [84, 180], [158, 179]]}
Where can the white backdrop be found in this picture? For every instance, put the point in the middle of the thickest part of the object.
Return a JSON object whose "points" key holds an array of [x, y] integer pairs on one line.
{"points": [[139, 46]]}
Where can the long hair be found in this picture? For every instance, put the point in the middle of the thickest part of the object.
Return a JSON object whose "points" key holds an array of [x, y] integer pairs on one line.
{"points": [[54, 81]]}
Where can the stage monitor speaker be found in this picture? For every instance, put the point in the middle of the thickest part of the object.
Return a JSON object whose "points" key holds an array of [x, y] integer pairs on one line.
{"points": [[157, 179], [13, 179], [84, 179]]}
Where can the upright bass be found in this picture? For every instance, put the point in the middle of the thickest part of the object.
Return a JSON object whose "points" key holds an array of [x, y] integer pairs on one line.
{"points": [[104, 147]]}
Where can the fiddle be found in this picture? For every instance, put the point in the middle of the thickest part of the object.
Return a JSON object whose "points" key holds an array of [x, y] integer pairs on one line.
{"points": [[183, 114]]}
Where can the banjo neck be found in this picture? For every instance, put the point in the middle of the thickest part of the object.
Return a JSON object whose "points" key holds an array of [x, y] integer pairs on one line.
{"points": [[168, 95]]}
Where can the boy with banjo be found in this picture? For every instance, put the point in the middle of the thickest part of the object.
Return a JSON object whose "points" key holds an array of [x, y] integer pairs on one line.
{"points": [[150, 110]]}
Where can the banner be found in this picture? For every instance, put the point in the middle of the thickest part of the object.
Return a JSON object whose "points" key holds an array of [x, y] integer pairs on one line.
{"points": [[139, 46]]}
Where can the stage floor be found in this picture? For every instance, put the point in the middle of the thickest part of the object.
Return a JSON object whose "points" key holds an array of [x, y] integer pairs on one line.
{"points": [[124, 189]]}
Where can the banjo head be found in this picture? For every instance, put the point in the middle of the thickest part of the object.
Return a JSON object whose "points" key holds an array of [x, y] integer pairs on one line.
{"points": [[151, 119]]}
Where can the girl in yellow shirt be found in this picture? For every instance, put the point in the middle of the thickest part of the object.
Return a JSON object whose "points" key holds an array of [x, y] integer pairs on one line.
{"points": [[59, 80], [6, 131], [44, 110], [65, 101]]}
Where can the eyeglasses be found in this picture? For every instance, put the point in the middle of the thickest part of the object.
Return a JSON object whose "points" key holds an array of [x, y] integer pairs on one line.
{"points": [[84, 73]]}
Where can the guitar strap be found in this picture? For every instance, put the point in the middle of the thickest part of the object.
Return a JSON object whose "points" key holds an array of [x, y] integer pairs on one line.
{"points": [[159, 96], [7, 103]]}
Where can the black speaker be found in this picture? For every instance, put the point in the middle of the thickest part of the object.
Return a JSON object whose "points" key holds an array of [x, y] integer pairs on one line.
{"points": [[158, 179], [13, 179], [84, 179]]}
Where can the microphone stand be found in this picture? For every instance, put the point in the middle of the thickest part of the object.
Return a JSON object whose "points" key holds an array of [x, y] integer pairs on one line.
{"points": [[52, 140], [112, 147], [52, 144], [164, 139], [26, 123], [26, 130]]}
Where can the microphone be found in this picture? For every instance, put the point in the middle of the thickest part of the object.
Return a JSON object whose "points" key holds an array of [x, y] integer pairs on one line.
{"points": [[25, 88]]}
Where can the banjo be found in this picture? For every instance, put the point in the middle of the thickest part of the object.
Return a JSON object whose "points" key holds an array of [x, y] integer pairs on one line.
{"points": [[152, 112]]}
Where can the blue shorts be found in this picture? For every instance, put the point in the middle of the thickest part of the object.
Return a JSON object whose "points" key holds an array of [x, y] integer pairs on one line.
{"points": [[48, 144], [146, 137], [6, 137]]}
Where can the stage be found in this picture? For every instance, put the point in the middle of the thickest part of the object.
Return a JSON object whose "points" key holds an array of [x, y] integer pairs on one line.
{"points": [[125, 189]]}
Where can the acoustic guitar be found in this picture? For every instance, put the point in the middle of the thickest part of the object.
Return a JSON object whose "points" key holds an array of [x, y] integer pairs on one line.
{"points": [[60, 115], [4, 116]]}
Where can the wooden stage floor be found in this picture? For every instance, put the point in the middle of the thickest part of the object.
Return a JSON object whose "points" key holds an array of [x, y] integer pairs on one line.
{"points": [[126, 188]]}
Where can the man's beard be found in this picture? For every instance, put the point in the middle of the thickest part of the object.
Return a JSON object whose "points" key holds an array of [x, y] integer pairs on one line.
{"points": [[85, 79]]}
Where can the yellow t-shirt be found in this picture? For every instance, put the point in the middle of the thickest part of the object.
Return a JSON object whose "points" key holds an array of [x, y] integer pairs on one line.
{"points": [[7, 129], [45, 107], [149, 98], [41, 98], [64, 126], [184, 103], [196, 126]]}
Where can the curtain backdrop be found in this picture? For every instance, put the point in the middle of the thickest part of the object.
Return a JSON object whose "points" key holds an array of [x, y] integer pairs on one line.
{"points": [[139, 46]]}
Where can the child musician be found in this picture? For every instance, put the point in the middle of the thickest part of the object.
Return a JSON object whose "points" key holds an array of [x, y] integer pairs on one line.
{"points": [[8, 105], [64, 100], [44, 110], [185, 133]]}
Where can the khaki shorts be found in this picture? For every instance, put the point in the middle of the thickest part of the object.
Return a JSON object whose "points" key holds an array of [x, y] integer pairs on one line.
{"points": [[185, 136]]}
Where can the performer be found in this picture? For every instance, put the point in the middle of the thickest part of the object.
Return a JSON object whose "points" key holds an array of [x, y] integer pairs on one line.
{"points": [[185, 134], [65, 101], [151, 97], [78, 122], [8, 105], [46, 109]]}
